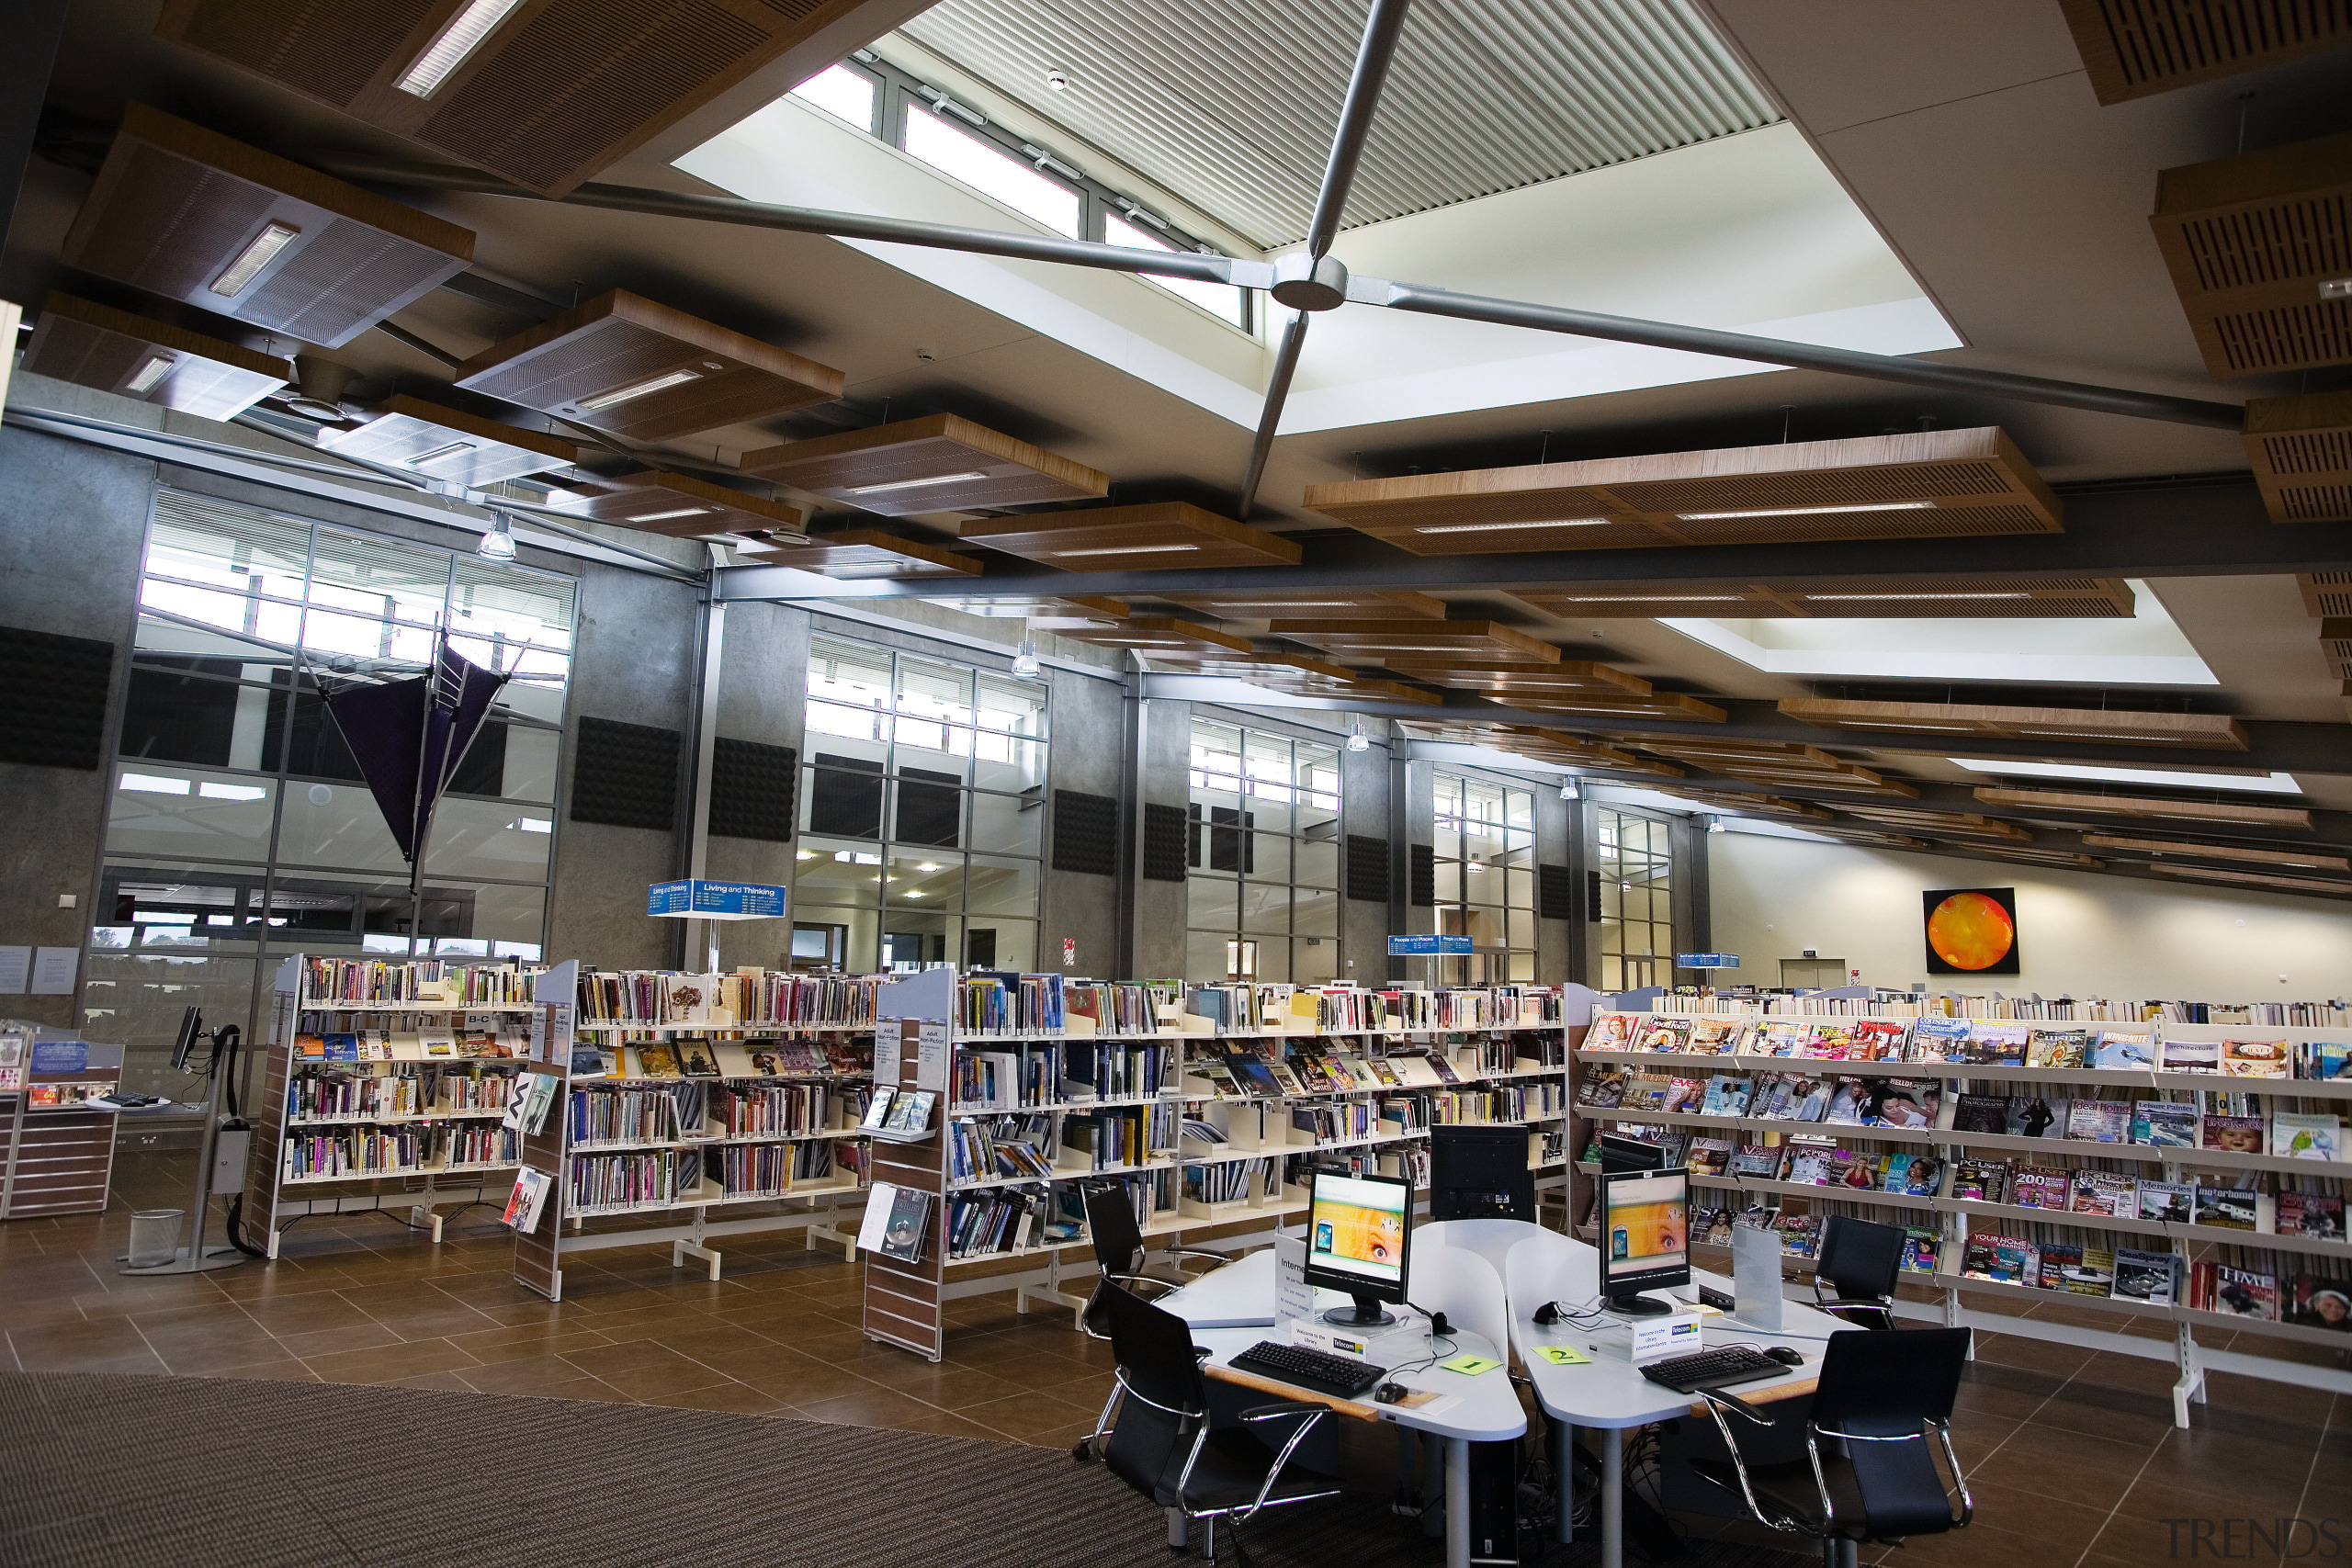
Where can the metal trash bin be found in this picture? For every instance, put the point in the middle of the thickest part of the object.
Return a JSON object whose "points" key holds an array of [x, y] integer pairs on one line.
{"points": [[154, 1237]]}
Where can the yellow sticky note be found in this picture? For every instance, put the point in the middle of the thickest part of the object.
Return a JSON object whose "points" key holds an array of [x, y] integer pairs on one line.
{"points": [[1561, 1356]]}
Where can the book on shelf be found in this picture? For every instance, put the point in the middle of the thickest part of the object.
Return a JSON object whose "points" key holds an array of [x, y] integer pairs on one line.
{"points": [[2323, 1059], [2322, 1302], [2317, 1214], [2099, 1121], [2233, 1134], [2145, 1276], [2056, 1047], [2244, 1058], [2298, 1134], [2190, 1056], [2165, 1124], [525, 1204], [2173, 1202], [2127, 1048], [2228, 1208], [655, 1061]]}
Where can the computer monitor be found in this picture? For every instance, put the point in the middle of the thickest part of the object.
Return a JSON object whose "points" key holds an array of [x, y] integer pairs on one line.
{"points": [[191, 1030], [1480, 1173], [1355, 1242], [1645, 1237], [1619, 1152]]}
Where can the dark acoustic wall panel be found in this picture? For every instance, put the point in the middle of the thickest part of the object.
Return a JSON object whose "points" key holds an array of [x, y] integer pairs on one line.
{"points": [[1367, 868], [845, 796], [1592, 897], [754, 790], [1165, 830], [53, 698], [930, 809], [625, 775], [173, 715], [1085, 833], [1555, 893], [1423, 876]]}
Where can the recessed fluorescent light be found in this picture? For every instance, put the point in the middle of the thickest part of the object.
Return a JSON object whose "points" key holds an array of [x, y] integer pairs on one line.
{"points": [[464, 34], [637, 389], [1498, 527], [1406, 648], [910, 484], [1658, 599], [441, 454], [2273, 783], [154, 370], [1286, 603], [273, 238], [1806, 511], [1946, 729], [232, 792], [2102, 735], [1124, 551], [149, 783], [1855, 598], [670, 516]]}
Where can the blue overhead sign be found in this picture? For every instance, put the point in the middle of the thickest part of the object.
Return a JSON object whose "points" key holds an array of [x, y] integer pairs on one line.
{"points": [[698, 900], [1706, 960], [1429, 946]]}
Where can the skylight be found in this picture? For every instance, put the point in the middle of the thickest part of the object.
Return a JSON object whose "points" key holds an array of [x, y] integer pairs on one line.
{"points": [[985, 170], [2273, 783], [846, 95], [1215, 297]]}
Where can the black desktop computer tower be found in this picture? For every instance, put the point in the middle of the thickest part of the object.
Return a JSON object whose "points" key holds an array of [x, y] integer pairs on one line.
{"points": [[1493, 1503]]}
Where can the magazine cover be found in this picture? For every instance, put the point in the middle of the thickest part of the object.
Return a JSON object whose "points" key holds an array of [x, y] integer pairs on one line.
{"points": [[2323, 1059], [1996, 1044], [2061, 1262], [2124, 1048], [1832, 1042], [1845, 1102], [2036, 1116], [2103, 1192], [1876, 1040], [1784, 1037], [2042, 1187], [1716, 1036], [2099, 1121], [1938, 1040], [2228, 1208], [2257, 1058], [2056, 1047], [2165, 1124], [2296, 1134], [1981, 1114], [2246, 1293], [2095, 1276], [2311, 1214], [2322, 1302], [2175, 1203], [1904, 1102], [2145, 1276], [2233, 1134], [657, 1061], [2191, 1057], [1666, 1034], [1610, 1031]]}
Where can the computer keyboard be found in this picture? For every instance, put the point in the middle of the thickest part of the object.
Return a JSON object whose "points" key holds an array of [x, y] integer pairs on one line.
{"points": [[1341, 1376], [1715, 1369]]}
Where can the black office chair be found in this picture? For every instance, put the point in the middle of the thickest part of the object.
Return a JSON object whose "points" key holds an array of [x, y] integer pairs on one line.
{"points": [[1861, 1260], [1119, 1251], [1157, 1438], [1869, 1472]]}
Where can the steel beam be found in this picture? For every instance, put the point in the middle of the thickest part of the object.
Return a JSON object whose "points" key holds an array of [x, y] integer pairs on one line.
{"points": [[1381, 28], [1261, 446]]}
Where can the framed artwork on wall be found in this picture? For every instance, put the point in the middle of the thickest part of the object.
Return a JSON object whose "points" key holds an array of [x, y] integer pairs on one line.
{"points": [[1970, 930]]}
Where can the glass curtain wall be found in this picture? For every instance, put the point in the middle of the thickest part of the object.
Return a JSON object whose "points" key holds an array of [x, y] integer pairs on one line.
{"points": [[238, 829], [1634, 855], [1262, 896], [1485, 861], [921, 813]]}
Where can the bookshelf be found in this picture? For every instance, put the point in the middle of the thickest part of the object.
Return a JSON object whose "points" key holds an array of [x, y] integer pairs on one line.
{"points": [[692, 1108], [2035, 1174], [1207, 1102], [385, 1090]]}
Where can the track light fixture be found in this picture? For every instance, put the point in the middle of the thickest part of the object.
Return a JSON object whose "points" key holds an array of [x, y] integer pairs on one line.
{"points": [[1568, 789], [498, 544], [1357, 739], [1024, 662]]}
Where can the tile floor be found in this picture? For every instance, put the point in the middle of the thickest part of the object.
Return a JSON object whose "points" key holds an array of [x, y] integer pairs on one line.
{"points": [[2070, 1453]]}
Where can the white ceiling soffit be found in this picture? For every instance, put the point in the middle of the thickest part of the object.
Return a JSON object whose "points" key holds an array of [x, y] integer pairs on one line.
{"points": [[1232, 105]]}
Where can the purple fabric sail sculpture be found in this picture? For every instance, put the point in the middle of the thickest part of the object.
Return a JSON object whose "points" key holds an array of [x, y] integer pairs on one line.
{"points": [[408, 737]]}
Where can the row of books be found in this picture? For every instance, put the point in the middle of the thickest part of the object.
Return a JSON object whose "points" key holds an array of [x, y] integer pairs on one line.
{"points": [[2315, 1301], [646, 1179], [426, 982], [1800, 1233], [749, 997], [1976, 1043], [1000, 1148], [401, 1151], [321, 1093], [2158, 1279], [627, 1116], [767, 1170], [2121, 1195], [1263, 1070], [992, 1002], [1120, 1008], [1232, 1181], [832, 1054], [1061, 1071], [2331, 1014], [2229, 1122], [1783, 1097], [480, 1037], [1001, 1220]]}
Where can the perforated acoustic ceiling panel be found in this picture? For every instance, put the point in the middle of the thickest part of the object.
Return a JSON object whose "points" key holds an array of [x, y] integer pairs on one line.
{"points": [[859, 553], [754, 790], [646, 372], [449, 443], [1934, 724], [2301, 453], [2134, 49], [1877, 598], [1085, 833], [93, 345], [2326, 593], [1367, 868], [186, 214], [1132, 539], [1916, 485], [1555, 893], [2249, 241], [53, 695], [625, 775], [681, 506], [555, 93], [1166, 838], [939, 464]]}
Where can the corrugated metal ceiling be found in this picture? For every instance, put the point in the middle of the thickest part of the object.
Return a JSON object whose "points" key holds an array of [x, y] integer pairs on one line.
{"points": [[1230, 104]]}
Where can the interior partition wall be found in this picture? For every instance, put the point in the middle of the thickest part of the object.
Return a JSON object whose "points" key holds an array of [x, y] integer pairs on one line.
{"points": [[239, 829]]}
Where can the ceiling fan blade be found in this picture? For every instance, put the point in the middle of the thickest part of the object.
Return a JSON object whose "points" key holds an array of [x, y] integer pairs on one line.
{"points": [[1277, 394], [1381, 28]]}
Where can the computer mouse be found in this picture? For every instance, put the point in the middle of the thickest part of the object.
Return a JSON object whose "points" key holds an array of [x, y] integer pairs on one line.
{"points": [[1785, 1354], [1548, 1314], [1389, 1393]]}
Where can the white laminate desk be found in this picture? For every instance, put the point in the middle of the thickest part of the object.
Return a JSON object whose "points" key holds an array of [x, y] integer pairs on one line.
{"points": [[1480, 1409], [1608, 1392]]}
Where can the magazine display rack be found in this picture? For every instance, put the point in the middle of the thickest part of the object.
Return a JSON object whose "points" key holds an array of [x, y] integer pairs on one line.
{"points": [[56, 1149], [690, 1108], [385, 1086], [1208, 1104], [2156, 1169]]}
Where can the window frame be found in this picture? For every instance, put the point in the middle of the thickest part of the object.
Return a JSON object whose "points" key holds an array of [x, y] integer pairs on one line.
{"points": [[1250, 862], [1656, 965], [1517, 956]]}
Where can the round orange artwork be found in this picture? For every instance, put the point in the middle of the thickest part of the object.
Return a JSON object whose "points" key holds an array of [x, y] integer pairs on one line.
{"points": [[1969, 931]]}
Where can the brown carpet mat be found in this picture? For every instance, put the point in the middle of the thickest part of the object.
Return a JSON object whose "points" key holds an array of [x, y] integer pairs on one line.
{"points": [[108, 1471]]}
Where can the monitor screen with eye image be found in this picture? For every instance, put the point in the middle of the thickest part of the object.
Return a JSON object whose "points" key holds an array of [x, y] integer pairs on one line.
{"points": [[1645, 1237], [1355, 1242]]}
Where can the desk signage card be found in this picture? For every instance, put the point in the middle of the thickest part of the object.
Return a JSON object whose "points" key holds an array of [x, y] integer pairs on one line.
{"points": [[1756, 1276], [1293, 1297], [1677, 1334]]}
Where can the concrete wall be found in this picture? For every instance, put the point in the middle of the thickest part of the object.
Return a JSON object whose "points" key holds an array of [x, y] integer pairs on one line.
{"points": [[1161, 906], [1087, 726], [2078, 932], [1363, 810]]}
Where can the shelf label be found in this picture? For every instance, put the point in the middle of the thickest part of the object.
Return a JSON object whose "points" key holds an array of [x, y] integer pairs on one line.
{"points": [[1706, 960], [1429, 946], [716, 900]]}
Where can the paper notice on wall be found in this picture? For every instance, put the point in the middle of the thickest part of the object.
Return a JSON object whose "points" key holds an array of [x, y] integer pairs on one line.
{"points": [[931, 1057], [53, 970], [15, 969]]}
